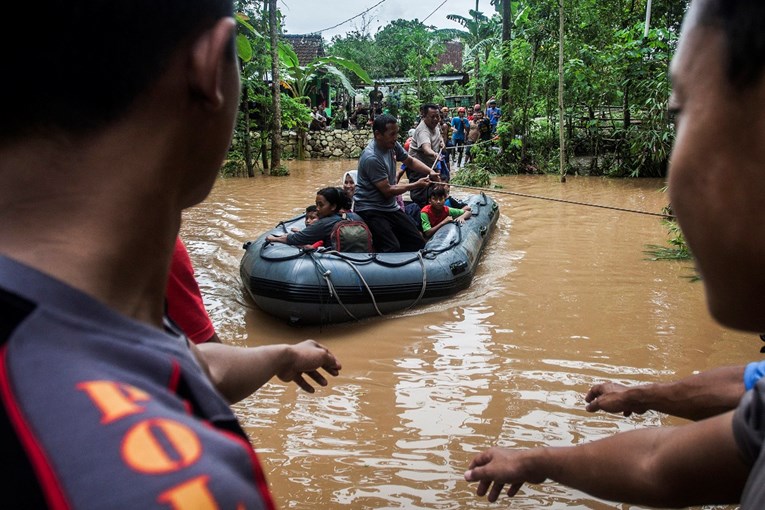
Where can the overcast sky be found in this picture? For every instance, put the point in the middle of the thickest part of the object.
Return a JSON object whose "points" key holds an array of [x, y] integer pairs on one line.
{"points": [[308, 16]]}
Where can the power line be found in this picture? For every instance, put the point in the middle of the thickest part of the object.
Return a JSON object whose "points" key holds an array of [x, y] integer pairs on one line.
{"points": [[434, 11], [351, 19]]}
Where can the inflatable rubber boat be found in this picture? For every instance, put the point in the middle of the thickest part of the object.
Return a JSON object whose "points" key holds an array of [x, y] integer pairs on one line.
{"points": [[324, 286]]}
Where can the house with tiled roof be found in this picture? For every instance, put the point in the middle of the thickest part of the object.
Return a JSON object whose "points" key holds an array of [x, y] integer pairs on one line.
{"points": [[451, 58], [308, 47]]}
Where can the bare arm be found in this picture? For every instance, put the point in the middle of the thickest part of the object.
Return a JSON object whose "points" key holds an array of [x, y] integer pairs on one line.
{"points": [[277, 239], [464, 216], [427, 150], [695, 397], [391, 190], [665, 467], [420, 167], [237, 372]]}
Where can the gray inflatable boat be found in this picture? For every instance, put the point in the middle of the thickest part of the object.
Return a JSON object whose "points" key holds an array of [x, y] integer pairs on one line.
{"points": [[323, 287]]}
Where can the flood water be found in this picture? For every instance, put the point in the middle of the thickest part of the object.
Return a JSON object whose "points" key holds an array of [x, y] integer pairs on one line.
{"points": [[564, 297]]}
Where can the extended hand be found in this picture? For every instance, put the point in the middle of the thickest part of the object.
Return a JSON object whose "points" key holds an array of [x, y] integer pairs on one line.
{"points": [[612, 398], [307, 358], [496, 467]]}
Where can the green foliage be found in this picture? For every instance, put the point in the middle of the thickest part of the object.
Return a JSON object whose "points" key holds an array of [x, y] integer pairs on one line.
{"points": [[234, 165], [298, 78], [282, 171], [472, 175], [294, 113]]}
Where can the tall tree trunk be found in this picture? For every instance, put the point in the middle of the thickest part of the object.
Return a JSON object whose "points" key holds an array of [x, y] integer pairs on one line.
{"points": [[505, 98], [526, 100], [264, 153], [561, 117], [477, 60], [245, 106], [276, 137]]}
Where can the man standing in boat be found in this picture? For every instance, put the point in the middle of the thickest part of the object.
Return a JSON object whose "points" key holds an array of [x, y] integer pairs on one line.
{"points": [[376, 189], [426, 147]]}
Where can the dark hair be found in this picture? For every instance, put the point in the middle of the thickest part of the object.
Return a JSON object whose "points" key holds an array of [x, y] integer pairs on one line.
{"points": [[336, 197], [742, 22], [381, 122], [437, 191], [310, 209], [99, 57], [428, 106]]}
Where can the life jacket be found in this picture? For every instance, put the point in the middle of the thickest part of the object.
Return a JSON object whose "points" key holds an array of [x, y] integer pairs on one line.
{"points": [[351, 236]]}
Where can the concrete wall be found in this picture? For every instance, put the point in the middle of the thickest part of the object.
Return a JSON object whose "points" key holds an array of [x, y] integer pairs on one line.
{"points": [[334, 143]]}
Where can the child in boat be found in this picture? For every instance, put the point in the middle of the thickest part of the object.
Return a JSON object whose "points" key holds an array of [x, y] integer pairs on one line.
{"points": [[453, 202], [311, 217], [435, 215], [331, 204]]}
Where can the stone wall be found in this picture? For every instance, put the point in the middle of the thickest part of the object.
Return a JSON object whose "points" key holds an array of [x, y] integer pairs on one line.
{"points": [[334, 143]]}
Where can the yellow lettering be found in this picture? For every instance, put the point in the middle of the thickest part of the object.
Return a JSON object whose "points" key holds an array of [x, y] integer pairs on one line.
{"points": [[114, 400], [192, 494], [145, 446]]}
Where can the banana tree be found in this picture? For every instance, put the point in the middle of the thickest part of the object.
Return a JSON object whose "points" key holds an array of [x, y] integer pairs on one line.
{"points": [[298, 79]]}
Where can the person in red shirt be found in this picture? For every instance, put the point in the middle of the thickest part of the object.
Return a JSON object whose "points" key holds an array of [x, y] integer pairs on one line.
{"points": [[435, 215], [237, 372]]}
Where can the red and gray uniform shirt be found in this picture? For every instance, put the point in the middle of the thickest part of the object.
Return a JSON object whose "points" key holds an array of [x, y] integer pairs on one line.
{"points": [[101, 411]]}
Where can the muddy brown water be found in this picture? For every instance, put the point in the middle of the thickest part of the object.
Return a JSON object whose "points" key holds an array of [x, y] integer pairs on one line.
{"points": [[564, 297]]}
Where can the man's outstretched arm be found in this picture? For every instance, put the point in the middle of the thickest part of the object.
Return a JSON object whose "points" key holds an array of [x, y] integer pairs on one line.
{"points": [[695, 397], [237, 372], [698, 463]]}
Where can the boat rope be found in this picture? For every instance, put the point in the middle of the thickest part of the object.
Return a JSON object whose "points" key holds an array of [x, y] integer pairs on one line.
{"points": [[424, 281], [366, 285], [327, 275], [527, 195]]}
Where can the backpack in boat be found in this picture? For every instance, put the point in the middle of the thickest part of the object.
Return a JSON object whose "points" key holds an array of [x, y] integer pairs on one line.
{"points": [[351, 236]]}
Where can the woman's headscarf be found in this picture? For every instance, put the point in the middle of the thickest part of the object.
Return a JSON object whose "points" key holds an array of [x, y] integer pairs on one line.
{"points": [[353, 175]]}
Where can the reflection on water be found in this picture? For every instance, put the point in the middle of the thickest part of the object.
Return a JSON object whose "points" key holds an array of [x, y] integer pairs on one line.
{"points": [[564, 297]]}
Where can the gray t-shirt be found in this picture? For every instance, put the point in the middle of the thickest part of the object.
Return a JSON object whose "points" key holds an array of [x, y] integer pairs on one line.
{"points": [[749, 432], [424, 135], [375, 165]]}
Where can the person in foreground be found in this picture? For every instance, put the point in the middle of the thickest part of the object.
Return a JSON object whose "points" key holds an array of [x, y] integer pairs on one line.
{"points": [[103, 403], [376, 189], [716, 184]]}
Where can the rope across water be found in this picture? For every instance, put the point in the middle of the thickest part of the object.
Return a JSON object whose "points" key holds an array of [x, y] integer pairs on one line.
{"points": [[527, 195]]}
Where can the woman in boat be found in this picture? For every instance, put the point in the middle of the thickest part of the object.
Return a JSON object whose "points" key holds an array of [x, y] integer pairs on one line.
{"points": [[349, 184], [332, 205]]}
